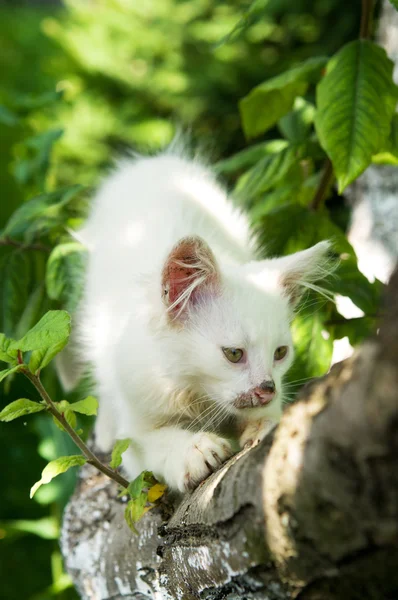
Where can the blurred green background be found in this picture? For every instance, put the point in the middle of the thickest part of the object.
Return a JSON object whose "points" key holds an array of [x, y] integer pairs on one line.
{"points": [[80, 83]]}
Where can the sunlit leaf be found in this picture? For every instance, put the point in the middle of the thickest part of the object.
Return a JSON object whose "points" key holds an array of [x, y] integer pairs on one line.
{"points": [[269, 101], [56, 467], [118, 449], [46, 339], [355, 103], [53, 328], [88, 406], [46, 528], [20, 408]]}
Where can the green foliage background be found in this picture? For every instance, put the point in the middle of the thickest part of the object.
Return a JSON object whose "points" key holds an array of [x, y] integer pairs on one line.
{"points": [[82, 83]]}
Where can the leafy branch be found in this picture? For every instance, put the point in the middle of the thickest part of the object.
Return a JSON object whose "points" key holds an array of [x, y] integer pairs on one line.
{"points": [[41, 344], [89, 455]]}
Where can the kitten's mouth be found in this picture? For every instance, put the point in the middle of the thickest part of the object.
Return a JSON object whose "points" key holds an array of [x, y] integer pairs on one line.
{"points": [[254, 398]]}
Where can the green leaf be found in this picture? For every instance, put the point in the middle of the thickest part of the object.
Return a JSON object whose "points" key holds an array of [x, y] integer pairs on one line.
{"points": [[290, 228], [32, 310], [6, 372], [7, 117], [6, 354], [66, 410], [313, 349], [56, 467], [20, 408], [53, 328], [267, 173], [45, 339], [118, 449], [40, 214], [63, 275], [394, 3], [252, 14], [269, 101], [349, 281], [28, 102], [355, 104], [135, 509], [37, 151], [143, 481], [250, 156], [296, 126], [356, 329], [16, 278], [88, 406], [46, 527], [389, 153]]}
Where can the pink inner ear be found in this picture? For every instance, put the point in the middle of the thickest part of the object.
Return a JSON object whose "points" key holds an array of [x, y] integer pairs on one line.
{"points": [[178, 275]]}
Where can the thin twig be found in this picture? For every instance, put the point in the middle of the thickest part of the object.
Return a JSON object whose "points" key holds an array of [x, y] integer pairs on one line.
{"points": [[366, 19], [6, 241], [91, 458], [323, 186]]}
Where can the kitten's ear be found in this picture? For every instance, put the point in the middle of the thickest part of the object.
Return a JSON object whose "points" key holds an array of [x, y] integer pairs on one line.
{"points": [[190, 271], [298, 271]]}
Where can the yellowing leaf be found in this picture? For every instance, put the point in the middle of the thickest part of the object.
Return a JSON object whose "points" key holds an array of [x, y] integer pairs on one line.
{"points": [[156, 492]]}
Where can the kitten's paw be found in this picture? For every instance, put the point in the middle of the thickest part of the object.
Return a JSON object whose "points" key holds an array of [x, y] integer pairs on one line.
{"points": [[254, 432], [206, 454]]}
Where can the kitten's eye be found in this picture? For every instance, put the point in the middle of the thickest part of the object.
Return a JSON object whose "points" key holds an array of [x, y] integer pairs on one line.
{"points": [[234, 355], [280, 352]]}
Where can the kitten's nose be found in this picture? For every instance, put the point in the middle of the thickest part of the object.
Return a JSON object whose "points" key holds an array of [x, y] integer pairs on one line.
{"points": [[265, 391]]}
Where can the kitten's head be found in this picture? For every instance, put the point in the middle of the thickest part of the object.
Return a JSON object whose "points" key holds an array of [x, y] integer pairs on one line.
{"points": [[232, 326]]}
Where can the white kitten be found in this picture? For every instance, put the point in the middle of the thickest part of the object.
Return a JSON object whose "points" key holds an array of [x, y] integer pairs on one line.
{"points": [[184, 328]]}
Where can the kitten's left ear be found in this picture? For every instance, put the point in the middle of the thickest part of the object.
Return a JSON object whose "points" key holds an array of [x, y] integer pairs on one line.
{"points": [[189, 273], [297, 271]]}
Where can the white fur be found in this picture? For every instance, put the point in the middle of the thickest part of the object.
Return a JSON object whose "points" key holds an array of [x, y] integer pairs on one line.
{"points": [[163, 383]]}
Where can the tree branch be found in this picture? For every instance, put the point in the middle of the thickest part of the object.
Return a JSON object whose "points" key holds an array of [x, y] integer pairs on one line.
{"points": [[310, 513]]}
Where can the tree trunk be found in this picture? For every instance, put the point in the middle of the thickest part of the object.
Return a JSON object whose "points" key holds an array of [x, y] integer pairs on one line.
{"points": [[310, 513]]}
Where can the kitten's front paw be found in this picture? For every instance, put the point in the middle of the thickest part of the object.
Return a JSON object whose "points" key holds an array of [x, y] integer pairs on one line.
{"points": [[205, 455], [254, 432]]}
